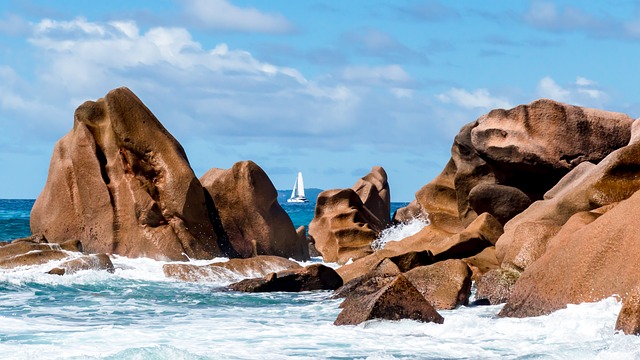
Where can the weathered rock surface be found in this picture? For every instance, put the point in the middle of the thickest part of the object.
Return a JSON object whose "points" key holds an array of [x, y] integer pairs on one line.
{"points": [[629, 317], [312, 277], [121, 184], [257, 266], [583, 265], [495, 286], [482, 262], [251, 219], [373, 190], [343, 227], [527, 149], [397, 300], [30, 251], [584, 189], [86, 262], [445, 284], [503, 202]]}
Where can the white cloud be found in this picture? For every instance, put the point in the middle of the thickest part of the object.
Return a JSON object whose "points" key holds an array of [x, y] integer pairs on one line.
{"points": [[377, 74], [548, 88], [583, 92], [582, 81], [222, 15], [480, 98]]}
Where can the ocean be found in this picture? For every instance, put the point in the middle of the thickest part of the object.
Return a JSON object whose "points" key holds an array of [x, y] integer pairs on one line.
{"points": [[137, 313]]}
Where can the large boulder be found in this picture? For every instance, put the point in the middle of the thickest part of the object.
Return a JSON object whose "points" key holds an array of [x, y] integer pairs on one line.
{"points": [[585, 263], [397, 300], [343, 228], [526, 150], [445, 284], [251, 220], [312, 277], [256, 266], [121, 184], [373, 190], [584, 189], [347, 221]]}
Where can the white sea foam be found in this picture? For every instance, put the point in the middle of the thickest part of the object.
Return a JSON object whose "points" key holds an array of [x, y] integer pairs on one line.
{"points": [[399, 232], [136, 313]]}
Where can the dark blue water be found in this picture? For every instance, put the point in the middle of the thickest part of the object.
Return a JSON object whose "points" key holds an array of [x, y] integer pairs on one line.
{"points": [[14, 218], [14, 215]]}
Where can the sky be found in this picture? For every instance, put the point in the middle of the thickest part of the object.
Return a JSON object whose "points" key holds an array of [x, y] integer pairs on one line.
{"points": [[329, 88]]}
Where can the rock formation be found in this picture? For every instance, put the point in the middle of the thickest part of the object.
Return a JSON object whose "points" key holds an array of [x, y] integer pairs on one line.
{"points": [[527, 148], [251, 220], [629, 318], [344, 226], [397, 300], [86, 262], [312, 277], [121, 184], [231, 270]]}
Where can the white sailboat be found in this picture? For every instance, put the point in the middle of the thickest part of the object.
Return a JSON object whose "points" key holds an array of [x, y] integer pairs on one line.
{"points": [[297, 195]]}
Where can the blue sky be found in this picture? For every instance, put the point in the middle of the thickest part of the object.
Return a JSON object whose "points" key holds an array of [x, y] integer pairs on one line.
{"points": [[329, 88]]}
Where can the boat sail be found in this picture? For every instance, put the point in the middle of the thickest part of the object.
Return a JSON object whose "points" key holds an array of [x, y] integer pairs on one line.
{"points": [[297, 195]]}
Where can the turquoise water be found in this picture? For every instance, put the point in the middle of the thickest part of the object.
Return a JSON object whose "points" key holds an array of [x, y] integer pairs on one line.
{"points": [[137, 313]]}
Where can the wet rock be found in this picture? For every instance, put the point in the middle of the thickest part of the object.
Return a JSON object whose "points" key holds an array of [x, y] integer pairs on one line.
{"points": [[86, 262], [251, 220], [629, 317], [587, 264], [312, 277], [495, 286], [121, 184], [397, 300], [257, 266]]}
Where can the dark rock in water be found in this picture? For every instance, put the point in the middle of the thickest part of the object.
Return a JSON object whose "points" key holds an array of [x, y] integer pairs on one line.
{"points": [[397, 300], [495, 286], [313, 277], [343, 226], [410, 260], [445, 284], [87, 262], [368, 283], [503, 202], [480, 302], [251, 219], [260, 265], [121, 184], [629, 317]]}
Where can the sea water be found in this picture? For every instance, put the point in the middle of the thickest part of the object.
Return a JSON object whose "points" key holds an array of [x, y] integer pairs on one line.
{"points": [[137, 313]]}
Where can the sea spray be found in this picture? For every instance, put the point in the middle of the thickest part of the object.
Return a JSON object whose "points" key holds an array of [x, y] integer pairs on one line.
{"points": [[399, 232]]}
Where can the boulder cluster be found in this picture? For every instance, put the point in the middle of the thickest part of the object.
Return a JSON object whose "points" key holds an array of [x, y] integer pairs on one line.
{"points": [[537, 206]]}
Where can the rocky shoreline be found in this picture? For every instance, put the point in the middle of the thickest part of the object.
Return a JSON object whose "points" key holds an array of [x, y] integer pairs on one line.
{"points": [[536, 205]]}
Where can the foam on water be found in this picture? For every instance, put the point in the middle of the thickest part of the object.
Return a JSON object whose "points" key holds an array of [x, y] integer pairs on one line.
{"points": [[399, 232], [137, 313]]}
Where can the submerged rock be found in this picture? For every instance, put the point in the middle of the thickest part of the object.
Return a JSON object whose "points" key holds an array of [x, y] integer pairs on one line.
{"points": [[251, 220], [121, 184], [256, 266], [397, 300], [312, 277], [24, 252], [86, 262]]}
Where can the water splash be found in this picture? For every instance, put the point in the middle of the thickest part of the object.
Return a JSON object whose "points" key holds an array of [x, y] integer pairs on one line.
{"points": [[399, 232]]}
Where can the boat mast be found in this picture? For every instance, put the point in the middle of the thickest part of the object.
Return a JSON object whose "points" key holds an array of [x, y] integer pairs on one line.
{"points": [[293, 192], [300, 185]]}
